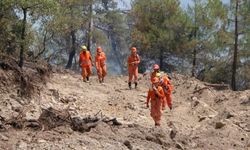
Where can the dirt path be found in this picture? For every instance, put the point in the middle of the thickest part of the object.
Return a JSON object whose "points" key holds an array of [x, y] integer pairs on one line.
{"points": [[208, 119]]}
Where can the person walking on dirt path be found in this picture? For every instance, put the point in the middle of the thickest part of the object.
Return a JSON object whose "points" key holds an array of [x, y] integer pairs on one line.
{"points": [[150, 75], [156, 69], [156, 98], [133, 62], [100, 63], [85, 61], [167, 88]]}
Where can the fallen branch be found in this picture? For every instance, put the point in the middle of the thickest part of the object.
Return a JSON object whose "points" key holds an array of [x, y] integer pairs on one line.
{"points": [[218, 86]]}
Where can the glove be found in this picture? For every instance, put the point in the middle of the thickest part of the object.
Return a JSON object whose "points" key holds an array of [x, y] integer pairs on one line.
{"points": [[154, 88]]}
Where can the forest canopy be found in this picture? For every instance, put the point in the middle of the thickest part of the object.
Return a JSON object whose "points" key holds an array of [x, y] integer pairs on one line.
{"points": [[210, 38]]}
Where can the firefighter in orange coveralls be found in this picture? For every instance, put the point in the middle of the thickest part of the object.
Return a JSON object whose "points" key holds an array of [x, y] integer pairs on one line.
{"points": [[133, 62], [156, 69], [156, 97], [85, 61], [167, 88], [100, 63]]}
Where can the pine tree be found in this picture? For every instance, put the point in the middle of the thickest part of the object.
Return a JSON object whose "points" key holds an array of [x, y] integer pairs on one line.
{"points": [[240, 20], [209, 20], [159, 27]]}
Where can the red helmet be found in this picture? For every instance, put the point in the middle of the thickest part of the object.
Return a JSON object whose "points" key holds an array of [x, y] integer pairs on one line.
{"points": [[156, 67], [133, 49], [155, 80], [99, 49]]}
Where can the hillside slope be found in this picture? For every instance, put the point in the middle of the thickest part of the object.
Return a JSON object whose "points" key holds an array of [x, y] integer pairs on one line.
{"points": [[202, 117]]}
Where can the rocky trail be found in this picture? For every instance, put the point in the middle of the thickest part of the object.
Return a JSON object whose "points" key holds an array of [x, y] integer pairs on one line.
{"points": [[66, 113]]}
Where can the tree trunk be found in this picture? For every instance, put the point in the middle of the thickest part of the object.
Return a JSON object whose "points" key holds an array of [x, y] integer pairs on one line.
{"points": [[194, 62], [22, 47], [73, 40], [44, 46], [73, 50], [233, 82], [75, 63], [195, 36], [90, 25]]}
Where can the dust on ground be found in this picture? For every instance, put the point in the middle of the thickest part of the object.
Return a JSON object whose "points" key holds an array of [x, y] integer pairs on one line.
{"points": [[202, 117]]}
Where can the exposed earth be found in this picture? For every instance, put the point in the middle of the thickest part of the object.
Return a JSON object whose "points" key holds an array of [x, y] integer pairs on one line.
{"points": [[203, 117]]}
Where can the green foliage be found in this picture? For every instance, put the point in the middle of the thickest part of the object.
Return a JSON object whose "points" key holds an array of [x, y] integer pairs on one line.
{"points": [[156, 27], [7, 25], [159, 24]]}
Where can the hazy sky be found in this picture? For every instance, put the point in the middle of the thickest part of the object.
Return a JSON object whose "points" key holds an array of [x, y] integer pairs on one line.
{"points": [[125, 4]]}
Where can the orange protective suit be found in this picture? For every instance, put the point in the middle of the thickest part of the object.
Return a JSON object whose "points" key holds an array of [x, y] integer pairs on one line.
{"points": [[156, 70], [85, 61], [100, 62], [133, 62], [157, 104], [153, 74], [167, 88]]}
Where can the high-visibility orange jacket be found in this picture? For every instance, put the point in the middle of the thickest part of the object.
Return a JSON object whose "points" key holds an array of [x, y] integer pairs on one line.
{"points": [[85, 59], [153, 97], [165, 82], [100, 60], [167, 88], [157, 104], [153, 74], [133, 61]]}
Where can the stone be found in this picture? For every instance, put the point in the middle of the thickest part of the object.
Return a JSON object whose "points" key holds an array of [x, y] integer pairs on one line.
{"points": [[22, 145], [172, 133], [245, 100], [229, 115], [41, 141], [33, 114], [55, 93], [179, 146], [201, 118], [4, 138], [128, 145], [67, 99], [219, 125], [195, 103], [16, 108], [194, 98], [118, 90]]}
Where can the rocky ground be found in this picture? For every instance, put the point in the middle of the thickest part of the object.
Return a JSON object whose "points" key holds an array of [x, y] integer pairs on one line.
{"points": [[203, 117]]}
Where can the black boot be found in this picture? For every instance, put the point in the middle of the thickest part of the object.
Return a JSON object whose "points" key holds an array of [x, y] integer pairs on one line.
{"points": [[136, 84], [87, 79], [129, 85], [170, 107]]}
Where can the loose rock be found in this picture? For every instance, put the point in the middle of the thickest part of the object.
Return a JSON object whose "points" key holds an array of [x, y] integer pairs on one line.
{"points": [[128, 145], [219, 125]]}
